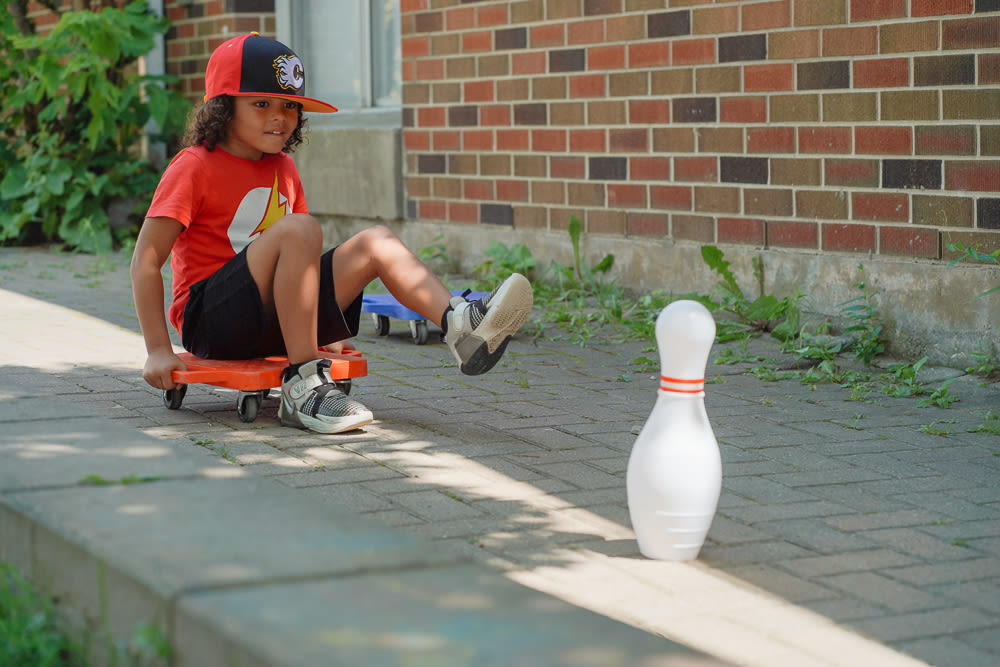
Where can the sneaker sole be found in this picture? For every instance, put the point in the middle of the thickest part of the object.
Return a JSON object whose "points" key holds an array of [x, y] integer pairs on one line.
{"points": [[338, 425], [510, 309]]}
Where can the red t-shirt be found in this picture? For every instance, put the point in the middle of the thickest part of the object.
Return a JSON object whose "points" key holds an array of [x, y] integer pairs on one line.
{"points": [[223, 201]]}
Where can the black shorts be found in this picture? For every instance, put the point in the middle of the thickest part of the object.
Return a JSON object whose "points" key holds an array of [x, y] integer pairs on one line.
{"points": [[225, 317]]}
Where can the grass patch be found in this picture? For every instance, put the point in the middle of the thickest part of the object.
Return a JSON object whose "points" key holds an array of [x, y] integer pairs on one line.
{"points": [[29, 632]]}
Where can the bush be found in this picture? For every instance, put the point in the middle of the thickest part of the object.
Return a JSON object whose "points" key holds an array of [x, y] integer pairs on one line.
{"points": [[72, 113]]}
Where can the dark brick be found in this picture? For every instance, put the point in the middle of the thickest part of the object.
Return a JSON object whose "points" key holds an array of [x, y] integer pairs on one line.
{"points": [[411, 209], [249, 6], [195, 11], [742, 47], [408, 117], [988, 214], [921, 174], [431, 164], [497, 214], [510, 38], [463, 116], [531, 114], [824, 75], [429, 22], [568, 60], [987, 6], [669, 24], [743, 170], [608, 168], [694, 110], [944, 70]]}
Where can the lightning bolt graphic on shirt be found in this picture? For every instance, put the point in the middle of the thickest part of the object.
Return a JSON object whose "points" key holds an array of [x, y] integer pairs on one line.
{"points": [[275, 209]]}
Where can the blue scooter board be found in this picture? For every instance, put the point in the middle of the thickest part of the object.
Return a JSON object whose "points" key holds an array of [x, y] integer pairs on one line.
{"points": [[383, 306]]}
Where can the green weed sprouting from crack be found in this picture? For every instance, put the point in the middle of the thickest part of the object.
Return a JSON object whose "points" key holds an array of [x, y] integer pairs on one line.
{"points": [[991, 424], [97, 480]]}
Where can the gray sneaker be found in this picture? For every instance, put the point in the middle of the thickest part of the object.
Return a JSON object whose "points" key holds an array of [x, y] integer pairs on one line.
{"points": [[309, 399], [478, 331]]}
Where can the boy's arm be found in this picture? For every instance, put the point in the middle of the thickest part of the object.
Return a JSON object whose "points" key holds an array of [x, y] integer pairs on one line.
{"points": [[152, 247]]}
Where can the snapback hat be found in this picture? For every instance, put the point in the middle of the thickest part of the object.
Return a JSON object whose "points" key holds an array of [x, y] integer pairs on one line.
{"points": [[255, 65]]}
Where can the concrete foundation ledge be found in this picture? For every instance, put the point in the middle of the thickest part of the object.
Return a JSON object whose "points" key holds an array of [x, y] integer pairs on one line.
{"points": [[228, 569]]}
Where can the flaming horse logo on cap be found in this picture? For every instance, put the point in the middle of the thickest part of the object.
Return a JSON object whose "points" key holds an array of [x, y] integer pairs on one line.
{"points": [[289, 72]]}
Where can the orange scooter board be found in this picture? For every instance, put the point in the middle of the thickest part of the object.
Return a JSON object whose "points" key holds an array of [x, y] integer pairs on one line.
{"points": [[254, 378]]}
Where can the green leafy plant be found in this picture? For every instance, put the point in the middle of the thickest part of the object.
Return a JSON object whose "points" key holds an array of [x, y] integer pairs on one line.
{"points": [[765, 313], [991, 424], [974, 255], [74, 110], [29, 631], [868, 342], [502, 261], [939, 397], [903, 379]]}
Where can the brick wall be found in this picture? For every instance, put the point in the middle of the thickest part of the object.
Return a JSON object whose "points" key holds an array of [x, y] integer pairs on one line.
{"points": [[847, 126], [198, 26]]}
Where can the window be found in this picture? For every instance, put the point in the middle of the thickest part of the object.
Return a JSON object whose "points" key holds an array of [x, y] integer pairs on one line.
{"points": [[351, 49]]}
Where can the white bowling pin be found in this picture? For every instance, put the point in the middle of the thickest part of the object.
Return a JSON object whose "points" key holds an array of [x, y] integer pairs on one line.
{"points": [[674, 472]]}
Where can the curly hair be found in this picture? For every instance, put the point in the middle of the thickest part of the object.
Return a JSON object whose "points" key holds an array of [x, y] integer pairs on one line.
{"points": [[209, 124]]}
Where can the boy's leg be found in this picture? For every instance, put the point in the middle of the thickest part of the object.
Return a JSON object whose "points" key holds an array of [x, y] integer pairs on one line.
{"points": [[476, 331], [285, 263]]}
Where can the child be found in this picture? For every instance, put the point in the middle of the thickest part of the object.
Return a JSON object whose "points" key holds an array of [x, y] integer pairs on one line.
{"points": [[250, 275]]}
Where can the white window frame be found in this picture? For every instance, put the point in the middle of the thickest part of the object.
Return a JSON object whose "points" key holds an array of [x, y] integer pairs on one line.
{"points": [[288, 16]]}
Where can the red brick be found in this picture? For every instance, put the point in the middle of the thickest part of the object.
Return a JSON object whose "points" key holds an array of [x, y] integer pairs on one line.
{"points": [[476, 42], [547, 35], [767, 78], [588, 85], [766, 15], [696, 169], [606, 57], [478, 91], [671, 197], [940, 7], [887, 73], [414, 47], [781, 234], [694, 52], [512, 190], [459, 18], [407, 6], [908, 241], [551, 141], [748, 231], [585, 32], [433, 209], [567, 167], [477, 189], [989, 68], [946, 140], [492, 14], [771, 140], [883, 140], [496, 114], [631, 140], [879, 206], [649, 168], [649, 54], [861, 41], [649, 112], [848, 238], [431, 117], [534, 62], [513, 140], [622, 195], [825, 140], [743, 110], [977, 33], [416, 140], [477, 140], [981, 176], [447, 140], [463, 212], [588, 141], [873, 10], [851, 173], [647, 224]]}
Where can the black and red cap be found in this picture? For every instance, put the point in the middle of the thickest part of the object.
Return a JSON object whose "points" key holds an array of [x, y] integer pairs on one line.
{"points": [[255, 65]]}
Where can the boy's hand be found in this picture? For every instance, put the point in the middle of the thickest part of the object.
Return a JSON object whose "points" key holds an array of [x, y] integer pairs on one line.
{"points": [[159, 365]]}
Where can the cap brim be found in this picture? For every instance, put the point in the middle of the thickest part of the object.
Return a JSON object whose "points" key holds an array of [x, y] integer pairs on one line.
{"points": [[308, 103]]}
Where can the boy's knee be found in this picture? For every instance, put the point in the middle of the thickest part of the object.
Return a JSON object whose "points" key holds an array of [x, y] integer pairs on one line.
{"points": [[302, 227]]}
